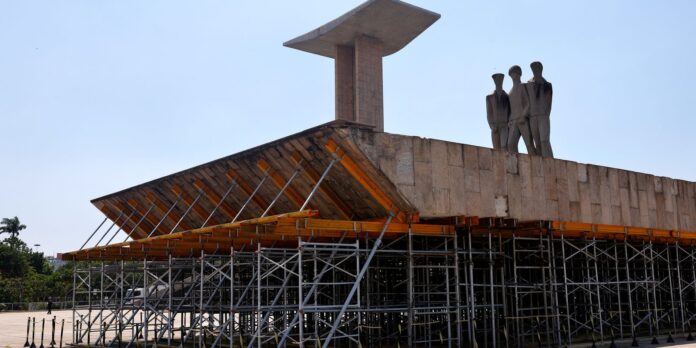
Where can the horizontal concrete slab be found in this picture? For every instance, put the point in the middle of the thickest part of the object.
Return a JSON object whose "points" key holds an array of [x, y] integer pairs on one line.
{"points": [[393, 22]]}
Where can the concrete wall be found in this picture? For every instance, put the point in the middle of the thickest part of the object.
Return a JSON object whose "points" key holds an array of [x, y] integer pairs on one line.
{"points": [[446, 179]]}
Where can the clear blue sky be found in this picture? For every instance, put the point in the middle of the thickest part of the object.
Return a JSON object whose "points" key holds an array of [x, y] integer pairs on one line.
{"points": [[97, 96]]}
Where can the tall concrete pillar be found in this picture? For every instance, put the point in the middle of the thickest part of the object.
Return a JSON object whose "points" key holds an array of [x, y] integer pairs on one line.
{"points": [[357, 41], [359, 96], [369, 99], [345, 83]]}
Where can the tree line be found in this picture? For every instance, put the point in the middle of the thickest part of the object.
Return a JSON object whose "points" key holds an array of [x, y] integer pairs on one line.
{"points": [[25, 274]]}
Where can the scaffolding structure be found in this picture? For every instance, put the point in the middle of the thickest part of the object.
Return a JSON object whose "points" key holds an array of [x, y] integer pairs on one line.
{"points": [[496, 283], [299, 280]]}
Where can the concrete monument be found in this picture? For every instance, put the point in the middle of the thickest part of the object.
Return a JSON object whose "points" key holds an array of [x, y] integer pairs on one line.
{"points": [[540, 96], [519, 114], [358, 41], [498, 112]]}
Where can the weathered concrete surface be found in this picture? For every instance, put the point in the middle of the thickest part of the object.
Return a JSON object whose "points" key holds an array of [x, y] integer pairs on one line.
{"points": [[433, 177], [393, 22], [369, 96], [445, 179], [345, 83], [357, 41]]}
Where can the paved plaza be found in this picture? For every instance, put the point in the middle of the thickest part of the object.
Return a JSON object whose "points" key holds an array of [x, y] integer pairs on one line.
{"points": [[13, 328]]}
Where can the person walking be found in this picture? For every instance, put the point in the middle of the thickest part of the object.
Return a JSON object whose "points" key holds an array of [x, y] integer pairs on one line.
{"points": [[50, 305]]}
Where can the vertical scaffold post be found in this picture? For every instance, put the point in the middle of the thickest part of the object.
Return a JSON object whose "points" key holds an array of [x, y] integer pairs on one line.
{"points": [[491, 289], [448, 299], [411, 311], [617, 272], [102, 329], [170, 318], [472, 299], [89, 304], [516, 295], [457, 293], [231, 319], [262, 321], [553, 282], [258, 295], [119, 329], [654, 287], [300, 307], [672, 310], [304, 298], [358, 279], [201, 313], [144, 324], [677, 251], [628, 284], [565, 288], [74, 291]]}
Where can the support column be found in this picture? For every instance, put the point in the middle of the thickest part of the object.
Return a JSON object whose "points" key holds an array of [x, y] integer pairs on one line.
{"points": [[369, 103], [357, 41], [345, 83]]}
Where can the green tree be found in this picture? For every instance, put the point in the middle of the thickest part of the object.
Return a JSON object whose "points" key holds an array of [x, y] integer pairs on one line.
{"points": [[39, 263], [60, 282], [17, 244], [11, 226], [13, 263], [25, 274]]}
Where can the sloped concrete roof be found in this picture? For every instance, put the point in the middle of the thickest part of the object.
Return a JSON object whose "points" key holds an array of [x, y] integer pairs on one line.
{"points": [[341, 197]]}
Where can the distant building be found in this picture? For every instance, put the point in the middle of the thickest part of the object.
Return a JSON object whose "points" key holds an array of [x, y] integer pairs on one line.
{"points": [[55, 262]]}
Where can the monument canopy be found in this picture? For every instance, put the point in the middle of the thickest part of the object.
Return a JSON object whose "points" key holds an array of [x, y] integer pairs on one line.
{"points": [[393, 22]]}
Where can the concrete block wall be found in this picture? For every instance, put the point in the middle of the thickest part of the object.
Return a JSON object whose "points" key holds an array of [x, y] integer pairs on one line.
{"points": [[447, 179]]}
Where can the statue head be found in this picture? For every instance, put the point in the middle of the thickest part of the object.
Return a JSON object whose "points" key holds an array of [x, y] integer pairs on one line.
{"points": [[515, 72], [498, 80], [537, 68]]}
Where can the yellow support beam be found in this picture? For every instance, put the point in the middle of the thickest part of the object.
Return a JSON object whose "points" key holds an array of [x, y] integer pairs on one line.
{"points": [[364, 180]]}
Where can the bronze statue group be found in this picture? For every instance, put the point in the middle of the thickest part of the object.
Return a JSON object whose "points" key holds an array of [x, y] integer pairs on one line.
{"points": [[524, 111]]}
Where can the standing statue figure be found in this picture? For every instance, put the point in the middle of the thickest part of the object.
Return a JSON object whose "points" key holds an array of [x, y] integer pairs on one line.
{"points": [[540, 97], [519, 114], [498, 111]]}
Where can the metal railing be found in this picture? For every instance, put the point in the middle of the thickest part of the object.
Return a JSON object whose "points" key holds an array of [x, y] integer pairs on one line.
{"points": [[33, 306]]}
